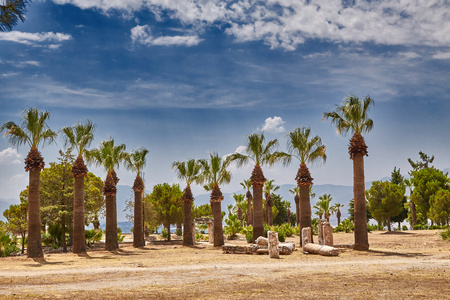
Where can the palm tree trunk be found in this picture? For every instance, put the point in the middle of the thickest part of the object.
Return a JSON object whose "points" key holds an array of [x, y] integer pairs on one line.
{"points": [[305, 210], [216, 199], [361, 235], [249, 209], [338, 215], [34, 247], [257, 180], [187, 217], [110, 190], [79, 244], [138, 230], [297, 210]]}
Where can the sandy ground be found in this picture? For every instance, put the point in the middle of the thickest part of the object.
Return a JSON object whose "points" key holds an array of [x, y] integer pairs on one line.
{"points": [[415, 264]]}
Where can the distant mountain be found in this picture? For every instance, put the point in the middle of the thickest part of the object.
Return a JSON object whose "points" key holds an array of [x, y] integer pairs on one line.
{"points": [[4, 204]]}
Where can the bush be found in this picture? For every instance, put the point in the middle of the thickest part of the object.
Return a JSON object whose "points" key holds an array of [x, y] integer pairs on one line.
{"points": [[371, 228], [233, 226], [199, 237], [248, 231], [92, 236], [164, 233], [179, 232], [120, 237], [404, 228], [288, 229], [8, 245], [418, 227], [315, 226], [446, 235], [297, 230], [433, 227]]}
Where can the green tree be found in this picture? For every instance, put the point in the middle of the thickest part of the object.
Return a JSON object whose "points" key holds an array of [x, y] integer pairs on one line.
{"points": [[307, 149], [323, 207], [240, 206], [352, 116], [261, 153], [33, 131], [385, 200], [202, 211], [168, 203], [189, 171], [94, 202], [57, 191], [426, 183], [268, 188], [440, 207], [11, 11], [247, 184], [79, 136], [17, 223], [109, 156], [397, 178], [136, 162], [280, 208], [214, 174]]}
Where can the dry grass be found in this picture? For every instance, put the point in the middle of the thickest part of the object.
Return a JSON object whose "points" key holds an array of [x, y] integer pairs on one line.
{"points": [[408, 265]]}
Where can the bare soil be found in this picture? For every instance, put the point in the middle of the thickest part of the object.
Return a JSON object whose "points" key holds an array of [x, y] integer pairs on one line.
{"points": [[399, 265]]}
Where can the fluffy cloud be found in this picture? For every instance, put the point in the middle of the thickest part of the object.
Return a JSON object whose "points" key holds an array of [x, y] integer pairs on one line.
{"points": [[28, 38], [442, 55], [288, 23], [142, 35], [273, 125], [10, 156]]}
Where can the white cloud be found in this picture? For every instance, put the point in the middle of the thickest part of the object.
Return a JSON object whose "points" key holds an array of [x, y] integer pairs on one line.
{"points": [[9, 74], [273, 125], [10, 156], [241, 149], [143, 35], [28, 38], [442, 55]]}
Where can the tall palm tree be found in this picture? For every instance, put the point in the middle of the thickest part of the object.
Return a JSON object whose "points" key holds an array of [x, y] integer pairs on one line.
{"points": [[11, 11], [307, 149], [323, 206], [268, 188], [109, 156], [189, 170], [261, 154], [79, 137], [337, 208], [215, 173], [136, 162], [247, 184], [296, 192], [33, 131], [240, 206], [352, 116]]}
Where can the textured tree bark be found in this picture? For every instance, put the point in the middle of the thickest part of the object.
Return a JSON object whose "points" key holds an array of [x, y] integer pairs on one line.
{"points": [[361, 234], [273, 245], [305, 209], [218, 232], [79, 243], [138, 230], [297, 209], [249, 209], [34, 248], [110, 231], [187, 223], [257, 179]]}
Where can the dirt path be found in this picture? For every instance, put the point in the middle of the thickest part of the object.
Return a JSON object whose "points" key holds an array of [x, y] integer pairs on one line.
{"points": [[414, 265]]}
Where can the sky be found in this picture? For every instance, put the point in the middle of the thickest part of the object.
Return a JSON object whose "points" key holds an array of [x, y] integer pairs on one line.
{"points": [[189, 77]]}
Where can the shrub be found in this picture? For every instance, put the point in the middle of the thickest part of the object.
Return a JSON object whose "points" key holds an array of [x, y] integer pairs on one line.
{"points": [[248, 231], [347, 225], [179, 232], [446, 235], [199, 237], [418, 227], [8, 245], [435, 227], [297, 230], [92, 236], [288, 229], [164, 233], [120, 237], [404, 227], [371, 228], [233, 226]]}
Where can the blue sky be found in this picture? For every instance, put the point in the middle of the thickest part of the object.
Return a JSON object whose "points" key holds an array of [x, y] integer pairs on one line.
{"points": [[189, 77]]}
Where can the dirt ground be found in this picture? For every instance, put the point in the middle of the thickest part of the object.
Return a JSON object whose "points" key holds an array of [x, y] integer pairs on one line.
{"points": [[399, 265]]}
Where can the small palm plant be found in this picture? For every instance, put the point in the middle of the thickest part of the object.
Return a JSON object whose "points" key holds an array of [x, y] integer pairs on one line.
{"points": [[268, 188], [33, 131], [136, 162]]}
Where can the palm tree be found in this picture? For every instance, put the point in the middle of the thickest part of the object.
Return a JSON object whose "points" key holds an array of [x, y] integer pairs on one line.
{"points": [[323, 207], [33, 131], [11, 11], [215, 173], [261, 154], [79, 137], [189, 170], [136, 162], [247, 184], [109, 156], [296, 192], [306, 149], [352, 116], [237, 209], [337, 208], [268, 188]]}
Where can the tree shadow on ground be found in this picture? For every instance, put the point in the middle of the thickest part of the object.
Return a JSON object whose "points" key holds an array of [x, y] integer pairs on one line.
{"points": [[42, 262], [392, 253]]}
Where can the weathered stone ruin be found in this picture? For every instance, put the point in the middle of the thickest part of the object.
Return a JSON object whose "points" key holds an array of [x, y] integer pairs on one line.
{"points": [[260, 247], [324, 237]]}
